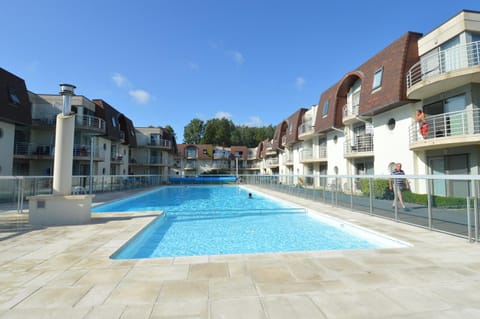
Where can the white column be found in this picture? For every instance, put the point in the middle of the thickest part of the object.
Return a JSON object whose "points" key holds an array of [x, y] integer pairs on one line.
{"points": [[63, 157]]}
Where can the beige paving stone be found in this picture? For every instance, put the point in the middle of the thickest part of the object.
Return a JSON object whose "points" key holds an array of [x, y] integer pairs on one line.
{"points": [[184, 289], [232, 287], [67, 278], [416, 299], [53, 297], [46, 313], [9, 298], [355, 304], [157, 273], [237, 268], [271, 274], [95, 296], [287, 307], [238, 308], [181, 307], [134, 294], [300, 287], [105, 276], [137, 312], [208, 271], [305, 269], [105, 312]]}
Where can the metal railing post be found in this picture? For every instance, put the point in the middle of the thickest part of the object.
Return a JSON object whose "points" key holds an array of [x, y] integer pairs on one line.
{"points": [[475, 208], [429, 203], [370, 187], [351, 192]]}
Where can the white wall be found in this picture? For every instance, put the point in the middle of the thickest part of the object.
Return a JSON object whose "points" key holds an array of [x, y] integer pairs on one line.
{"points": [[392, 146]]}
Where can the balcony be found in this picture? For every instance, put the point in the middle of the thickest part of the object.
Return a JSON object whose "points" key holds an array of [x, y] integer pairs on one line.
{"points": [[90, 123], [447, 130], [359, 146], [46, 151], [350, 113], [305, 130], [287, 159], [270, 149], [443, 71], [272, 162], [161, 143], [309, 156], [45, 122]]}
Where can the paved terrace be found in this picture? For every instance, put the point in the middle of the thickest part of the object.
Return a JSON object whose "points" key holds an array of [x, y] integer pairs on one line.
{"points": [[66, 272]]}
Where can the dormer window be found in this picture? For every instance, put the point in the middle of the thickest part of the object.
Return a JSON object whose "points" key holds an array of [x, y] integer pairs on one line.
{"points": [[377, 79], [325, 109], [12, 96]]}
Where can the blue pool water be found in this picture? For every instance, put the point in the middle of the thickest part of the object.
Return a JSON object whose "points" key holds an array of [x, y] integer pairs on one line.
{"points": [[215, 220]]}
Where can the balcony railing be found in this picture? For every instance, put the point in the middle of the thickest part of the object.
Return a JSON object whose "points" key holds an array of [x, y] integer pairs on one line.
{"points": [[161, 143], [90, 123], [350, 111], [359, 144], [306, 128], [48, 150], [272, 162], [455, 58], [461, 123], [308, 155]]}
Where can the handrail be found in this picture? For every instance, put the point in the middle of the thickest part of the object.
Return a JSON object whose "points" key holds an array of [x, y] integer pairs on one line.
{"points": [[443, 61]]}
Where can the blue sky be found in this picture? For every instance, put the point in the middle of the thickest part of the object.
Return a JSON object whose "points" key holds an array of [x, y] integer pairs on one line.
{"points": [[166, 62]]}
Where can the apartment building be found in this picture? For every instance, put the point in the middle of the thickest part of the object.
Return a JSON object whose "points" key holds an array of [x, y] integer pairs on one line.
{"points": [[446, 83], [15, 112], [366, 122], [104, 138], [154, 152], [195, 159]]}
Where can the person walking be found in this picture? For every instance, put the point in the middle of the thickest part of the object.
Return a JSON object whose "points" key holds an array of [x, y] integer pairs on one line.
{"points": [[398, 185]]}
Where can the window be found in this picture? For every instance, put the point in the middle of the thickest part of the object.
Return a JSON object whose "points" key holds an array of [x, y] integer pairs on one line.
{"points": [[12, 96], [114, 122], [377, 79], [391, 124], [325, 109]]}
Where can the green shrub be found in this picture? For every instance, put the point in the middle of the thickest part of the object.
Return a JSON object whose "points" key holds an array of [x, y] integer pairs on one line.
{"points": [[380, 188]]}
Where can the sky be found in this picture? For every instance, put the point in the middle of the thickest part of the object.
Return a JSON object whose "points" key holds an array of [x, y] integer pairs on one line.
{"points": [[166, 62]]}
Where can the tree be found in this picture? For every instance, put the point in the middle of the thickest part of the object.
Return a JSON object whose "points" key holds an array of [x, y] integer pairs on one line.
{"points": [[194, 132], [170, 130], [218, 132]]}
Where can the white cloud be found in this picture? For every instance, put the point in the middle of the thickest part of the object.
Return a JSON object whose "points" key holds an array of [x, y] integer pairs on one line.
{"points": [[300, 83], [237, 57], [254, 121], [221, 115], [140, 96], [120, 80]]}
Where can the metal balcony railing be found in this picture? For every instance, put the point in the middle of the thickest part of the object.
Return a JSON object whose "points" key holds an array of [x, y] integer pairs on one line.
{"points": [[161, 143], [309, 155], [359, 144], [350, 111], [459, 123], [455, 58], [305, 128], [90, 122], [34, 149]]}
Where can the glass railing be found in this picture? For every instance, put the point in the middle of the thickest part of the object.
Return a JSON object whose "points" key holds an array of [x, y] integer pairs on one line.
{"points": [[426, 203], [461, 123], [444, 61]]}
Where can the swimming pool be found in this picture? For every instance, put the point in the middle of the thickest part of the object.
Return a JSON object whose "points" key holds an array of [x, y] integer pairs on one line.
{"points": [[216, 220]]}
